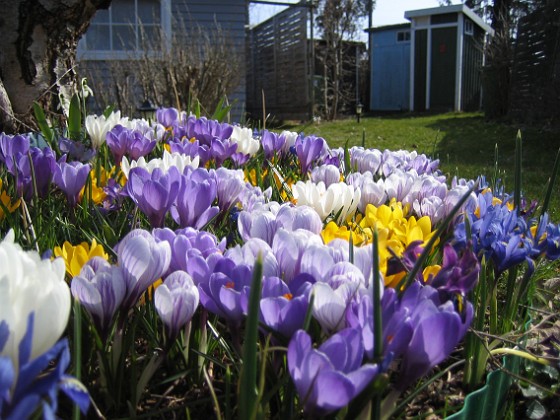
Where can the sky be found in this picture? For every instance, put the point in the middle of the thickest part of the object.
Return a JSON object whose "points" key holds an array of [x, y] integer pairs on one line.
{"points": [[386, 12]]}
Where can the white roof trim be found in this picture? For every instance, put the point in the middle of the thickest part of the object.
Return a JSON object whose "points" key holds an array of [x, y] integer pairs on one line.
{"points": [[456, 8]]}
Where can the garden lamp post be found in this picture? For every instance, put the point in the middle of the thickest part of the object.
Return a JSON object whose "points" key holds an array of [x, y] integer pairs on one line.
{"points": [[147, 110], [359, 109]]}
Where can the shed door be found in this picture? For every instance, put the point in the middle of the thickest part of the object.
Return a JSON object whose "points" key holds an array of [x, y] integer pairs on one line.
{"points": [[420, 59], [443, 67]]}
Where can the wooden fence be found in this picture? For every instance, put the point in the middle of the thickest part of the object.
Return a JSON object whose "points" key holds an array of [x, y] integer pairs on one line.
{"points": [[535, 77], [278, 67]]}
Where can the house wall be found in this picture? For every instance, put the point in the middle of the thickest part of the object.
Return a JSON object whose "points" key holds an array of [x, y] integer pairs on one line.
{"points": [[390, 70], [232, 16], [473, 46], [187, 16]]}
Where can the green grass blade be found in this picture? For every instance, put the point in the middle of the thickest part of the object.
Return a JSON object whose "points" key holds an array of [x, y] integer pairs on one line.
{"points": [[46, 130], [74, 119], [551, 181], [248, 394], [517, 169]]}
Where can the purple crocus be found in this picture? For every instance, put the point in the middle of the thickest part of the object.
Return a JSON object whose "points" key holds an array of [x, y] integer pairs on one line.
{"points": [[272, 143], [458, 273], [71, 178], [100, 289], [197, 192], [154, 193], [283, 309], [44, 165], [437, 327], [117, 141], [205, 130], [222, 150], [309, 149], [124, 141], [329, 377], [230, 184], [143, 261], [176, 301], [226, 291], [168, 117], [11, 149], [195, 252]]}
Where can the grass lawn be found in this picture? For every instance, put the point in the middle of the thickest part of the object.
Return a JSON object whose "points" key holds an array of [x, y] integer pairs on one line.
{"points": [[463, 142]]}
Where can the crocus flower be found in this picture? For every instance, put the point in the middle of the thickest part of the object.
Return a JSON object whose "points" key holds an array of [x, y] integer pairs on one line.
{"points": [[143, 261], [75, 256], [176, 301], [6, 201], [167, 116], [230, 184], [437, 327], [75, 150], [71, 178], [100, 289], [40, 176], [339, 200], [289, 248], [248, 253], [243, 137], [22, 275], [195, 252], [191, 212], [154, 193], [272, 143], [177, 160], [330, 304], [327, 174], [226, 291], [292, 218], [329, 377], [11, 149], [97, 127], [282, 308], [309, 150], [366, 160]]}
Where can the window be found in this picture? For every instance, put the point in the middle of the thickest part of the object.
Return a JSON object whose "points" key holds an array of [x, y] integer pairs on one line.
{"points": [[469, 28], [403, 36], [126, 28]]}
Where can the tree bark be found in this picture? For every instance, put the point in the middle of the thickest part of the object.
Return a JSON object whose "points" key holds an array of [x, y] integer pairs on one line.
{"points": [[38, 55]]}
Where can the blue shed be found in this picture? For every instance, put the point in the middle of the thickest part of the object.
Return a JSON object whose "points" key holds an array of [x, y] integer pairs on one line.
{"points": [[390, 68], [432, 63]]}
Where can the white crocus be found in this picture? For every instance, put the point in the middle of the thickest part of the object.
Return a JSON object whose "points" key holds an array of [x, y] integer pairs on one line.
{"points": [[329, 305], [97, 127], [179, 160], [339, 200], [29, 284], [291, 138], [246, 144]]}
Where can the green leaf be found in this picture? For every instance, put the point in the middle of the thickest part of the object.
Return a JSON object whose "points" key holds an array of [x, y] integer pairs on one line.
{"points": [[46, 130], [517, 186], [347, 167], [248, 391], [74, 118], [222, 110], [551, 182]]}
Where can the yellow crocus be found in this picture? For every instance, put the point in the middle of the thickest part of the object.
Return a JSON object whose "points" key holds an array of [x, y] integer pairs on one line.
{"points": [[395, 232], [7, 202], [75, 256]]}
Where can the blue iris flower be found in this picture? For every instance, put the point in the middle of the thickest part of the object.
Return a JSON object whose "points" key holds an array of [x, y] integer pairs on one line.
{"points": [[35, 384]]}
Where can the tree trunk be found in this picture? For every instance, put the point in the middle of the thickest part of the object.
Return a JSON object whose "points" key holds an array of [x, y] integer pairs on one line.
{"points": [[38, 55]]}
